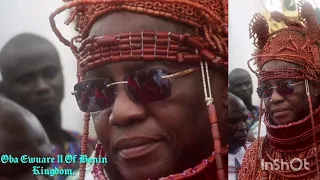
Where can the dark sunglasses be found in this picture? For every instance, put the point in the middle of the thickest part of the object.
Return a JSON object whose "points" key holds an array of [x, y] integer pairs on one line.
{"points": [[283, 89], [142, 87]]}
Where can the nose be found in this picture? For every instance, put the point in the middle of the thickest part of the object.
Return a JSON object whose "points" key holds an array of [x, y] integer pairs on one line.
{"points": [[275, 97], [42, 86], [125, 112], [242, 87]]}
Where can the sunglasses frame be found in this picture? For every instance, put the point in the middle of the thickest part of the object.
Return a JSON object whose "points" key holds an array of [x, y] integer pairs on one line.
{"points": [[169, 76], [276, 88]]}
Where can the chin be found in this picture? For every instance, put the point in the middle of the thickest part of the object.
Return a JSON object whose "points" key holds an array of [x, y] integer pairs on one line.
{"points": [[153, 170], [151, 165], [283, 121]]}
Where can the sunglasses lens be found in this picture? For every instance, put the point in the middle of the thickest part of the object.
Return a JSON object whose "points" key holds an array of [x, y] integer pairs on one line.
{"points": [[92, 95], [264, 92], [148, 86], [285, 88]]}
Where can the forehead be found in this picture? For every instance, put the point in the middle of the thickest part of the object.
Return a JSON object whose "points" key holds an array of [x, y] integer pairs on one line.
{"points": [[276, 64], [17, 61], [119, 69], [240, 77], [125, 22]]}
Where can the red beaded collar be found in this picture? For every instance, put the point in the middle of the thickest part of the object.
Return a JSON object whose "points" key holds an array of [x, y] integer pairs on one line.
{"points": [[293, 137]]}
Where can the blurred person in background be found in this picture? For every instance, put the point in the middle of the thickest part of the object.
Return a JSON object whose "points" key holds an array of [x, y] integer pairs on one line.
{"points": [[21, 134], [238, 135], [32, 76], [240, 84]]}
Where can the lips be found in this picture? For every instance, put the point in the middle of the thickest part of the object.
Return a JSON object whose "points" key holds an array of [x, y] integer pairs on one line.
{"points": [[135, 147], [279, 112]]}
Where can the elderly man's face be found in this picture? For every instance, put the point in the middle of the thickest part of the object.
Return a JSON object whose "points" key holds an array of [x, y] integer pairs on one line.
{"points": [[237, 116], [20, 134], [163, 137], [291, 107]]}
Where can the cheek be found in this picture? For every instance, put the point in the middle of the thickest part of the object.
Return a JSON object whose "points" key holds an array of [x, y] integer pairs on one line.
{"points": [[20, 90], [58, 83], [300, 104], [102, 126], [266, 104], [183, 115]]}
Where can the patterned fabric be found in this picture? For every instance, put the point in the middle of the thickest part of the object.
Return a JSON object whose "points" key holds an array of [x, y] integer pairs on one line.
{"points": [[253, 117], [249, 164], [72, 147]]}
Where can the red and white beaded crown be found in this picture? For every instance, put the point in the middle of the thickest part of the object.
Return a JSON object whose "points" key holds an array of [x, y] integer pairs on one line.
{"points": [[298, 43]]}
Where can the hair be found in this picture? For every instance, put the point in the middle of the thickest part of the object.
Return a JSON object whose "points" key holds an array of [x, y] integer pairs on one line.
{"points": [[209, 18], [236, 72]]}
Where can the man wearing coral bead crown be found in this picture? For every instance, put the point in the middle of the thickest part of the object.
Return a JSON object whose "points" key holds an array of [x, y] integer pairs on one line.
{"points": [[153, 77], [288, 72]]}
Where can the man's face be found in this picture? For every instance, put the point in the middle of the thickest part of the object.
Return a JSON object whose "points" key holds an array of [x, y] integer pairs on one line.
{"points": [[237, 116], [241, 85], [284, 109], [35, 80], [160, 138]]}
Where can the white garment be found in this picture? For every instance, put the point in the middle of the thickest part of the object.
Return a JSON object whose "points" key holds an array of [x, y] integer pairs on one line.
{"points": [[235, 161], [89, 176], [255, 128]]}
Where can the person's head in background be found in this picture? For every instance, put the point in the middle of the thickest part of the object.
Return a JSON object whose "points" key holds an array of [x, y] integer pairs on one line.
{"points": [[237, 116], [32, 77], [240, 84], [32, 74], [20, 134], [150, 121]]}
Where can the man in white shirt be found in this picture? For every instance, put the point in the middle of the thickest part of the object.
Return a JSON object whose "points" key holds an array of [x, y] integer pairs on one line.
{"points": [[237, 116]]}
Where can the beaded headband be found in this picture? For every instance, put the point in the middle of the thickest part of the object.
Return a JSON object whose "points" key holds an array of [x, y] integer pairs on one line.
{"points": [[145, 45], [208, 17], [297, 44]]}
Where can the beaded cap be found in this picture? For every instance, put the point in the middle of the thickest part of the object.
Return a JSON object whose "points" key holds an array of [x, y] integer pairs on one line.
{"points": [[208, 17], [298, 43]]}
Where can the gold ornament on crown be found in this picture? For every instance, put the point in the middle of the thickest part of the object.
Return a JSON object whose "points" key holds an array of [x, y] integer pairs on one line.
{"points": [[291, 14]]}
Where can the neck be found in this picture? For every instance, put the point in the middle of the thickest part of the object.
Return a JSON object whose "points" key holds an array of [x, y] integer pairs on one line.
{"points": [[52, 125]]}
